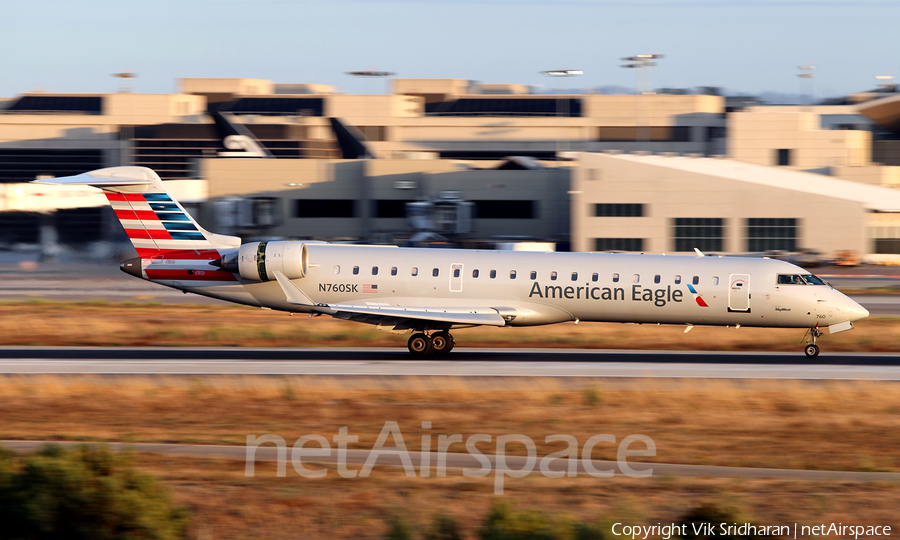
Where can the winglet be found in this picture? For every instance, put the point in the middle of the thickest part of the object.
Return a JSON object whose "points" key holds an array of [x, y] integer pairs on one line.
{"points": [[699, 253], [292, 293]]}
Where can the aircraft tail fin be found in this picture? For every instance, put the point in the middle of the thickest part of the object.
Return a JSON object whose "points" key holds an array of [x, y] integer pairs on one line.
{"points": [[351, 141], [237, 139], [153, 220]]}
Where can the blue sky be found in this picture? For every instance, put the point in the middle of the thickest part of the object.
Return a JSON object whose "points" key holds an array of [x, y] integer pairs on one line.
{"points": [[749, 46]]}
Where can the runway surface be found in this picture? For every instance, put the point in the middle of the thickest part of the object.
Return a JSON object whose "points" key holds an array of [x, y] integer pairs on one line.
{"points": [[456, 461], [463, 362]]}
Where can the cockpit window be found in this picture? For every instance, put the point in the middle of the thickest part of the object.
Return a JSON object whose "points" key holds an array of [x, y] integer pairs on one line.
{"points": [[813, 280], [799, 279]]}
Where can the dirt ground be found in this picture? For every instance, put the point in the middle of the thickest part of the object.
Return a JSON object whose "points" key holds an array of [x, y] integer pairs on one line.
{"points": [[835, 425], [42, 323]]}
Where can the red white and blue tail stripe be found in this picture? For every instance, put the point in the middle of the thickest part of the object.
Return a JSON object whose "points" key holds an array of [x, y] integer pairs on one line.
{"points": [[155, 223], [171, 246]]}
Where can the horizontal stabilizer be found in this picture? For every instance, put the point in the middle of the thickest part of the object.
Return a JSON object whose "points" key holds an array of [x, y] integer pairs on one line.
{"points": [[111, 176]]}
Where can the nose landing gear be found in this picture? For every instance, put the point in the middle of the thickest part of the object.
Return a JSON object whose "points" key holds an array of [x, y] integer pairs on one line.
{"points": [[811, 349], [439, 343]]}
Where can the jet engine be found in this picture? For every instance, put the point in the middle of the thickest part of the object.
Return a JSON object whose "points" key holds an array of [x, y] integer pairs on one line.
{"points": [[258, 261]]}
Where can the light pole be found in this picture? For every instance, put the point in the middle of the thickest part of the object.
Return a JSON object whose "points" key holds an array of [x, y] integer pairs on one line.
{"points": [[884, 82], [366, 194], [808, 73], [559, 74], [640, 63], [371, 74], [127, 132]]}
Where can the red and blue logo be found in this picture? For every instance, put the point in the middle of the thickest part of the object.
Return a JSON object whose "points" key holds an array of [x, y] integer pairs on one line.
{"points": [[697, 297]]}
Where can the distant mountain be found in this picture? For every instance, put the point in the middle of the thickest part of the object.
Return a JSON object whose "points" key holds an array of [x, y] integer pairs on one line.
{"points": [[767, 97]]}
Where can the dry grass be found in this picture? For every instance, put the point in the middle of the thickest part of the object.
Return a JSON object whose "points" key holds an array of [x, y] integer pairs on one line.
{"points": [[127, 324], [806, 425], [225, 504], [832, 425]]}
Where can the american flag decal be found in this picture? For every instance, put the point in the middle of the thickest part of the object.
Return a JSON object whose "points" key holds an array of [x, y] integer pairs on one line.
{"points": [[367, 288]]}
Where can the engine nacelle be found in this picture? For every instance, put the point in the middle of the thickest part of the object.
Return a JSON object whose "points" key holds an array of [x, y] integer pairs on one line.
{"points": [[258, 261]]}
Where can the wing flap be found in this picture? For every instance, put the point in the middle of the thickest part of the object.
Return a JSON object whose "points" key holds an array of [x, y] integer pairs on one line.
{"points": [[482, 316]]}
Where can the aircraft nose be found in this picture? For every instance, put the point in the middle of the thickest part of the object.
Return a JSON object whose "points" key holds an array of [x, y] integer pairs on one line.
{"points": [[857, 312]]}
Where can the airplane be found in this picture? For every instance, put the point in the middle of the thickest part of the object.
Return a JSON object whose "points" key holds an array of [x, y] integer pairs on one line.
{"points": [[429, 292]]}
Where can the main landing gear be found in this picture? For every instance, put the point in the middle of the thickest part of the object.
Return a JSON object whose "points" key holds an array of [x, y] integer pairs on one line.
{"points": [[811, 349], [438, 343]]}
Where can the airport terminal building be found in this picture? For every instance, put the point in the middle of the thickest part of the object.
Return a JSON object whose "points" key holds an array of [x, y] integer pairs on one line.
{"points": [[449, 160]]}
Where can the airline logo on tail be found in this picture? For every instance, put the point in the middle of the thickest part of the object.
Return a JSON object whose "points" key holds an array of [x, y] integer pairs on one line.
{"points": [[697, 297], [154, 222]]}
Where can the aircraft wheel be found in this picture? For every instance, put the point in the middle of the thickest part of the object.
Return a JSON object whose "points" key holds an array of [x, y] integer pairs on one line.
{"points": [[420, 344], [811, 351], [443, 343]]}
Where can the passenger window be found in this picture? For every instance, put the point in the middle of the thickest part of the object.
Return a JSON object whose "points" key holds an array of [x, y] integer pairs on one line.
{"points": [[636, 278], [493, 274], [435, 272], [355, 270], [374, 270], [656, 278], [595, 276], [337, 269], [456, 272], [715, 280], [552, 276], [414, 271], [475, 273], [512, 274], [393, 270], [677, 280], [696, 280], [616, 277], [533, 274], [574, 276]]}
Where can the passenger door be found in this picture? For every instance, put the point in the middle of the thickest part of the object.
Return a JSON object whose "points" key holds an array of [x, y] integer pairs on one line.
{"points": [[456, 276], [739, 293]]}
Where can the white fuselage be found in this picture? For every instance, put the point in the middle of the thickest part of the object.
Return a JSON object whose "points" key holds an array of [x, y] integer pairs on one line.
{"points": [[543, 288]]}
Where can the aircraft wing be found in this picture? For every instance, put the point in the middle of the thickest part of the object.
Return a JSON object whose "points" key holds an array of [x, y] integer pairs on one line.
{"points": [[397, 317], [475, 316]]}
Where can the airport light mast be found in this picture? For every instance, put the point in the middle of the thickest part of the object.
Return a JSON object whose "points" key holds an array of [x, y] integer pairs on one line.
{"points": [[559, 74], [808, 73], [371, 74], [640, 64], [885, 84], [127, 132]]}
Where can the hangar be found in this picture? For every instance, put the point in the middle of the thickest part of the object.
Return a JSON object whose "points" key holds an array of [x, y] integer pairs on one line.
{"points": [[671, 204]]}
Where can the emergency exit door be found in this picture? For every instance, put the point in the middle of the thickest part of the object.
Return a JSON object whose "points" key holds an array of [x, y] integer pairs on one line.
{"points": [[456, 277], [739, 293]]}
